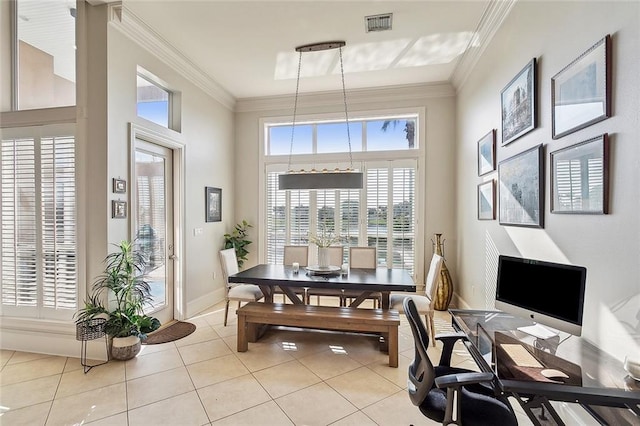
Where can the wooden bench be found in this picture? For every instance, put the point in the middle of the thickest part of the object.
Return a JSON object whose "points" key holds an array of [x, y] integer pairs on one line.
{"points": [[381, 321]]}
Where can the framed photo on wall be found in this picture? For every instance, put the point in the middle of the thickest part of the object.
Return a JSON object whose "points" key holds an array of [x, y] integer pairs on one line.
{"points": [[213, 204], [487, 153], [521, 189], [118, 209], [581, 92], [487, 200], [518, 104], [580, 177], [119, 186]]}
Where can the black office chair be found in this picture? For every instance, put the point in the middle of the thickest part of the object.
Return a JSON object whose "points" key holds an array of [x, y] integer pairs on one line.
{"points": [[433, 389]]}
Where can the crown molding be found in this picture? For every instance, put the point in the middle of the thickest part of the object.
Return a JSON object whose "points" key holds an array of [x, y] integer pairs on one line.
{"points": [[492, 18], [354, 97], [133, 27]]}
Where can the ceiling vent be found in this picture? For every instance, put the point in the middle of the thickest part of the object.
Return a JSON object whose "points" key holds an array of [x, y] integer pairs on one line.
{"points": [[378, 22]]}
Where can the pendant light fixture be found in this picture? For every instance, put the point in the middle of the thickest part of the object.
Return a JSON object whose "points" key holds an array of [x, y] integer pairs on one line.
{"points": [[321, 179]]}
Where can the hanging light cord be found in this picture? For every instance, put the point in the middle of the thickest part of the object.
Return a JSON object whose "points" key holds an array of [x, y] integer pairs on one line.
{"points": [[346, 114], [295, 110]]}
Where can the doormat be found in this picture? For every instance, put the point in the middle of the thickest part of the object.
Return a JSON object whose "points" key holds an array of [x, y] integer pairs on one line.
{"points": [[173, 331]]}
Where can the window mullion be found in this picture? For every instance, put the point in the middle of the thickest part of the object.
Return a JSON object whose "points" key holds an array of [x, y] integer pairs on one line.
{"points": [[38, 222], [390, 195]]}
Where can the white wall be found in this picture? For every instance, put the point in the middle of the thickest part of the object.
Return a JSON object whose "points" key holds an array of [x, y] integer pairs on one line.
{"points": [[207, 134], [608, 245], [439, 177]]}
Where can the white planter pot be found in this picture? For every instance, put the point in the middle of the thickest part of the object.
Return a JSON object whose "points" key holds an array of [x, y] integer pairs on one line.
{"points": [[124, 348]]}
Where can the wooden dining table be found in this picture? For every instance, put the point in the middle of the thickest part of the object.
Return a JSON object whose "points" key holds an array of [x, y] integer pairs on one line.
{"points": [[366, 281]]}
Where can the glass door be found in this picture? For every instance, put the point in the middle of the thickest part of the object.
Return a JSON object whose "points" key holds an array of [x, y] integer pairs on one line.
{"points": [[154, 222]]}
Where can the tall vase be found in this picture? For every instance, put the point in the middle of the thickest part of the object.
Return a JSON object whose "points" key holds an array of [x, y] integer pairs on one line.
{"points": [[323, 257], [444, 289]]}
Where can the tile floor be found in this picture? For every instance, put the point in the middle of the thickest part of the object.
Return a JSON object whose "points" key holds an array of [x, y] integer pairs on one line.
{"points": [[290, 377]]}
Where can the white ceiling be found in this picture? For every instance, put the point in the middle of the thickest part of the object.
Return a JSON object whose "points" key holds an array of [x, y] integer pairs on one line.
{"points": [[248, 47]]}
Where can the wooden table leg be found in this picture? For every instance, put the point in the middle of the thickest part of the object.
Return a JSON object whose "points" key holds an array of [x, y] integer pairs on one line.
{"points": [[242, 344], [392, 337], [291, 295]]}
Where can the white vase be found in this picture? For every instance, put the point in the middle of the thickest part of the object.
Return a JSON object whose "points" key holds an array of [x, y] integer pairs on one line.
{"points": [[124, 348], [323, 257]]}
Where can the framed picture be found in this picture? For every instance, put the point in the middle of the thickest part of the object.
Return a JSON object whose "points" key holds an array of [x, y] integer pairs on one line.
{"points": [[521, 189], [581, 92], [518, 104], [580, 177], [118, 209], [487, 153], [213, 204], [487, 200], [119, 186]]}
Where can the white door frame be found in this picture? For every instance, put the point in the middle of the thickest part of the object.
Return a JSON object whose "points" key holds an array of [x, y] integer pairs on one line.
{"points": [[173, 142]]}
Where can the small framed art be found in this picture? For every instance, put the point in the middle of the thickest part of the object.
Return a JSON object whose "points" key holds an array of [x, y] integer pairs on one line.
{"points": [[521, 191], [580, 177], [518, 104], [119, 186], [581, 92], [487, 153], [118, 209], [213, 204], [487, 200]]}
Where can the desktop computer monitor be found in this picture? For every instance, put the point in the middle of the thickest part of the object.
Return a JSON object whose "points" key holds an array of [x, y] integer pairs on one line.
{"points": [[550, 294]]}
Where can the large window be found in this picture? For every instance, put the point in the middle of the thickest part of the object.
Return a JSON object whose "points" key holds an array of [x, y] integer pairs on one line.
{"points": [[38, 206], [45, 70], [381, 215]]}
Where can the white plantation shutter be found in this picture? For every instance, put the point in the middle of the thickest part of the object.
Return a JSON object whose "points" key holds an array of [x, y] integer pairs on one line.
{"points": [[299, 210], [58, 222], [39, 261], [403, 217], [377, 210], [18, 219], [276, 220]]}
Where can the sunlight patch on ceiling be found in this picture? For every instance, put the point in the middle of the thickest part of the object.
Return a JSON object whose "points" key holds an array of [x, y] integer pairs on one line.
{"points": [[372, 56], [434, 49]]}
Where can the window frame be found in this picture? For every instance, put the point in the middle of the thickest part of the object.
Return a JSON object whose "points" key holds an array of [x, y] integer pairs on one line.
{"points": [[269, 163], [171, 97], [39, 132]]}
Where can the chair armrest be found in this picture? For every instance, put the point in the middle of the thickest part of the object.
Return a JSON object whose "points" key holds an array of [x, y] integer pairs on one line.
{"points": [[448, 340], [461, 379]]}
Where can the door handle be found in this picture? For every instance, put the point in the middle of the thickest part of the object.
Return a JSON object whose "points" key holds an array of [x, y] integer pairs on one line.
{"points": [[173, 257]]}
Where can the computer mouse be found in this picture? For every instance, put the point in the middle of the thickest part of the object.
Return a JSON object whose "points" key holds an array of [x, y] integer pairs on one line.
{"points": [[553, 374]]}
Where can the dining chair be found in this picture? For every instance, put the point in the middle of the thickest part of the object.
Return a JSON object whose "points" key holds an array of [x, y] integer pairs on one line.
{"points": [[336, 258], [234, 291], [424, 302], [363, 258], [298, 254], [436, 389], [292, 254]]}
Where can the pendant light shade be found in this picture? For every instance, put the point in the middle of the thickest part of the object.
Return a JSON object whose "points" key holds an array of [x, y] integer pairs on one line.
{"points": [[321, 180], [313, 179]]}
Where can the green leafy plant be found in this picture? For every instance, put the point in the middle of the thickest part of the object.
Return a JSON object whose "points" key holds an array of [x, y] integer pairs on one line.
{"points": [[238, 240], [123, 285]]}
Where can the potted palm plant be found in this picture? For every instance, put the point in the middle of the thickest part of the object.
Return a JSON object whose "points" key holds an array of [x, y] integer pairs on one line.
{"points": [[124, 288]]}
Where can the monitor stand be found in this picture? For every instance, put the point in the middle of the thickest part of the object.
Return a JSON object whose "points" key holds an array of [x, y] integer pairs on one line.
{"points": [[539, 331]]}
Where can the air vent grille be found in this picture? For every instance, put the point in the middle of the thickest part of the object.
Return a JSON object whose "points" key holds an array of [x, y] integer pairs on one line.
{"points": [[378, 22]]}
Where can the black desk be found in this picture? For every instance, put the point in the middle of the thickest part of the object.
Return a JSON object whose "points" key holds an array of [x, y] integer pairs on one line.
{"points": [[595, 378], [367, 281]]}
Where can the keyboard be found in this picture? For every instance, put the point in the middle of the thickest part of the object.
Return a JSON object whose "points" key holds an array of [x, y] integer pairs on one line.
{"points": [[520, 355]]}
